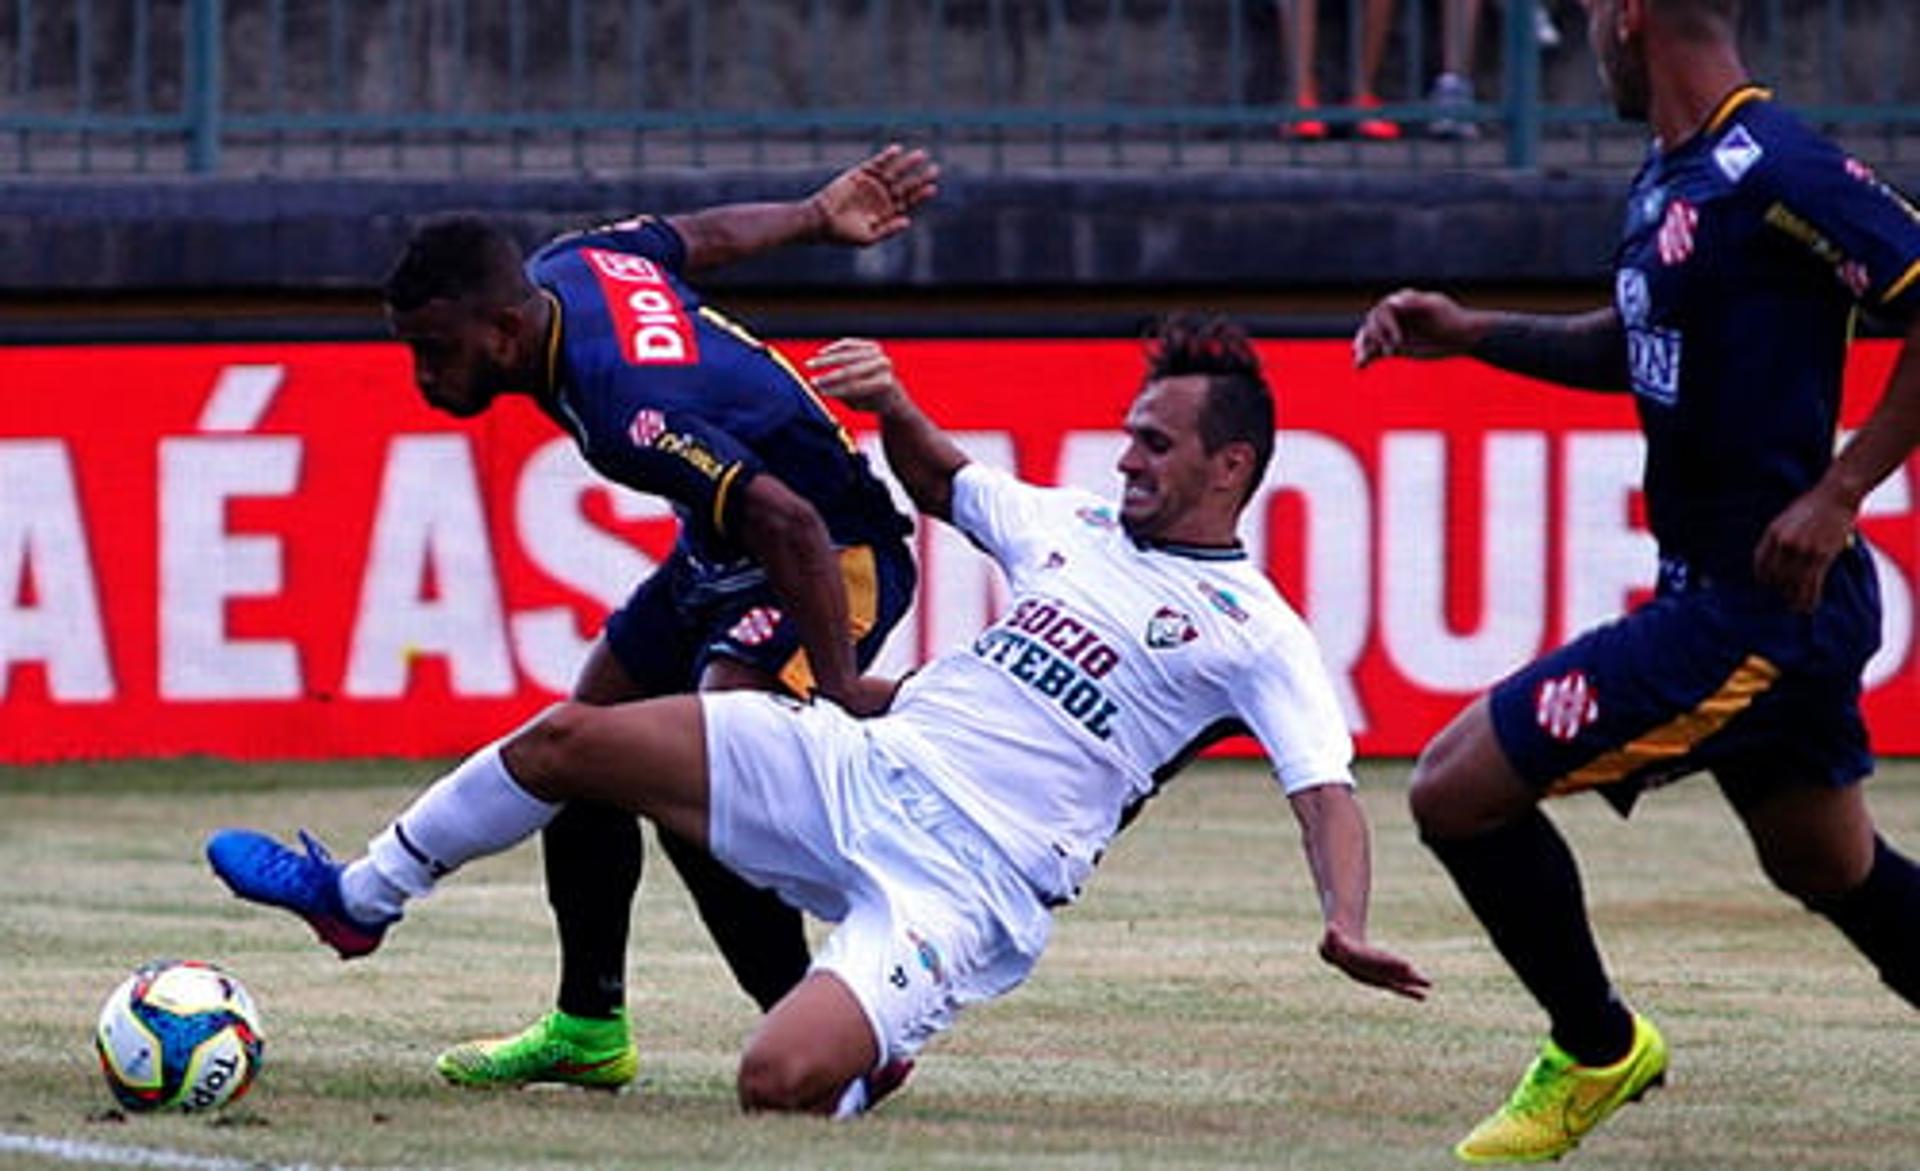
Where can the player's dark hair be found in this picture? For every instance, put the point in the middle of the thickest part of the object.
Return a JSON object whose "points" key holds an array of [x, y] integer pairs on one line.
{"points": [[454, 258], [1239, 404]]}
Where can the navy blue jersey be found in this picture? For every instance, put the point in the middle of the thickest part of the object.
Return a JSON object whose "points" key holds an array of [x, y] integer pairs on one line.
{"points": [[1745, 252], [667, 396]]}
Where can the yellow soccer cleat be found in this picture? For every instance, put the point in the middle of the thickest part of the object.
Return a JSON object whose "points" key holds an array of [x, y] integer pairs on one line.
{"points": [[1560, 1100], [570, 1050]]}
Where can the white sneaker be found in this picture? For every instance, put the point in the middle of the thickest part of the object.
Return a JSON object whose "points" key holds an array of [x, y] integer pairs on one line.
{"points": [[1452, 99]]}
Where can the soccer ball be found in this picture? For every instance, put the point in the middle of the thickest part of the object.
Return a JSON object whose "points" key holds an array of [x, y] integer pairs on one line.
{"points": [[178, 1035]]}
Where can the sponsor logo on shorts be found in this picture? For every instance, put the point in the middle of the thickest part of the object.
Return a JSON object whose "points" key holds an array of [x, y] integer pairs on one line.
{"points": [[648, 320], [1564, 706], [1169, 628], [1055, 560], [929, 957], [1676, 232], [755, 626]]}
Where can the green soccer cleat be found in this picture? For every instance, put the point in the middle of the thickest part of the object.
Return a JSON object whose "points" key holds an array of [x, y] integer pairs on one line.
{"points": [[1560, 1100], [559, 1047]]}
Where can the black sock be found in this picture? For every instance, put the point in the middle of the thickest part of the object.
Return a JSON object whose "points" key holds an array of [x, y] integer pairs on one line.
{"points": [[762, 938], [593, 856], [1521, 882], [1882, 918]]}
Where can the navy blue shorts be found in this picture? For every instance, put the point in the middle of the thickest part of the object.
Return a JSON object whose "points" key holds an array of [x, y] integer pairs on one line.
{"points": [[1721, 677], [687, 612]]}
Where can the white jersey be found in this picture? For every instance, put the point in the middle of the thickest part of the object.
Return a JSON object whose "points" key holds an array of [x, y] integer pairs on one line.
{"points": [[1115, 663]]}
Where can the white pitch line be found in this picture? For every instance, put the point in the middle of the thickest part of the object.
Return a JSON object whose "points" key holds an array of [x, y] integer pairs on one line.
{"points": [[69, 1150]]}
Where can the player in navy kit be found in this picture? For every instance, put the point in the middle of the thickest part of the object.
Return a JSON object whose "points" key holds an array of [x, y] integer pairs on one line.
{"points": [[1749, 242], [790, 567]]}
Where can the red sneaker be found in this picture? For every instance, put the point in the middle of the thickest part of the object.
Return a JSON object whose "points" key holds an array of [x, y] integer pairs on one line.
{"points": [[1306, 129], [1376, 129]]}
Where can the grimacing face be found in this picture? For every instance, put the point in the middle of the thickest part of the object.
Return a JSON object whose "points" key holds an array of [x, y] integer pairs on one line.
{"points": [[1165, 469], [455, 348]]}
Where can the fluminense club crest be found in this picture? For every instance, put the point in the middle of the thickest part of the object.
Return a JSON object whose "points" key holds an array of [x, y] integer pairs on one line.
{"points": [[1169, 628]]}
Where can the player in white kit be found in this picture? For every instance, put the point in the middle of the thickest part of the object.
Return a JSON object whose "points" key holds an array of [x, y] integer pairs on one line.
{"points": [[941, 835]]}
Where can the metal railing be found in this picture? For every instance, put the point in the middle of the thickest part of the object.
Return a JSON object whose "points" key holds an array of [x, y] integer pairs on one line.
{"points": [[583, 87]]}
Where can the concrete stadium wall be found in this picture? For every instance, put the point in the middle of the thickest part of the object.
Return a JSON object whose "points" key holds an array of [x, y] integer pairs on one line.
{"points": [[187, 257], [1230, 229]]}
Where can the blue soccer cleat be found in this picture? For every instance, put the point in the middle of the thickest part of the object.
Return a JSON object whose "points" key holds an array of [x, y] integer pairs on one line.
{"points": [[261, 870]]}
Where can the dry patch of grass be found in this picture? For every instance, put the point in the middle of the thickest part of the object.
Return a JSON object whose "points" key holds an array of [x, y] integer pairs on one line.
{"points": [[1181, 1019]]}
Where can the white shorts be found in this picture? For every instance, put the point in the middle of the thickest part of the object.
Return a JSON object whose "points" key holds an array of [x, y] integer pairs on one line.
{"points": [[932, 916]]}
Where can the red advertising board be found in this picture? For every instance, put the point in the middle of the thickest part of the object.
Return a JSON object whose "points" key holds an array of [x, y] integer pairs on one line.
{"points": [[277, 551]]}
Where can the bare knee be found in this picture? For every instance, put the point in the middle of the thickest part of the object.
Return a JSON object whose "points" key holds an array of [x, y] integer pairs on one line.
{"points": [[1426, 791], [770, 1079], [1462, 784], [1812, 877], [807, 1049], [1813, 844], [545, 753]]}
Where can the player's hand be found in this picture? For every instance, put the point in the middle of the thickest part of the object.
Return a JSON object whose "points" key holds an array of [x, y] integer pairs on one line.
{"points": [[1363, 962], [856, 371], [1798, 548], [867, 203], [1413, 323]]}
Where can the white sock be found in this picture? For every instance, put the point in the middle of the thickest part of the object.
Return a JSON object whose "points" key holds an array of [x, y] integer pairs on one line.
{"points": [[475, 810], [853, 1100]]}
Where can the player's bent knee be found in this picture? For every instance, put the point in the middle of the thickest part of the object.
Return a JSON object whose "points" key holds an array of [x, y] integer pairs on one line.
{"points": [[1429, 800], [1814, 883], [543, 755], [769, 1079]]}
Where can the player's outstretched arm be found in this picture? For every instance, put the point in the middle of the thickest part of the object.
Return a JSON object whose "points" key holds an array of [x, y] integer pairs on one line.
{"points": [[1797, 549], [859, 373], [790, 541], [1587, 351], [1333, 831], [863, 204]]}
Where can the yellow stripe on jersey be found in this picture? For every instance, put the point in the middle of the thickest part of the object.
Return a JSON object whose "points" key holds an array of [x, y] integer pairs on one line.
{"points": [[720, 498], [1678, 736], [1903, 284], [720, 320], [861, 575], [1732, 102], [553, 340]]}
